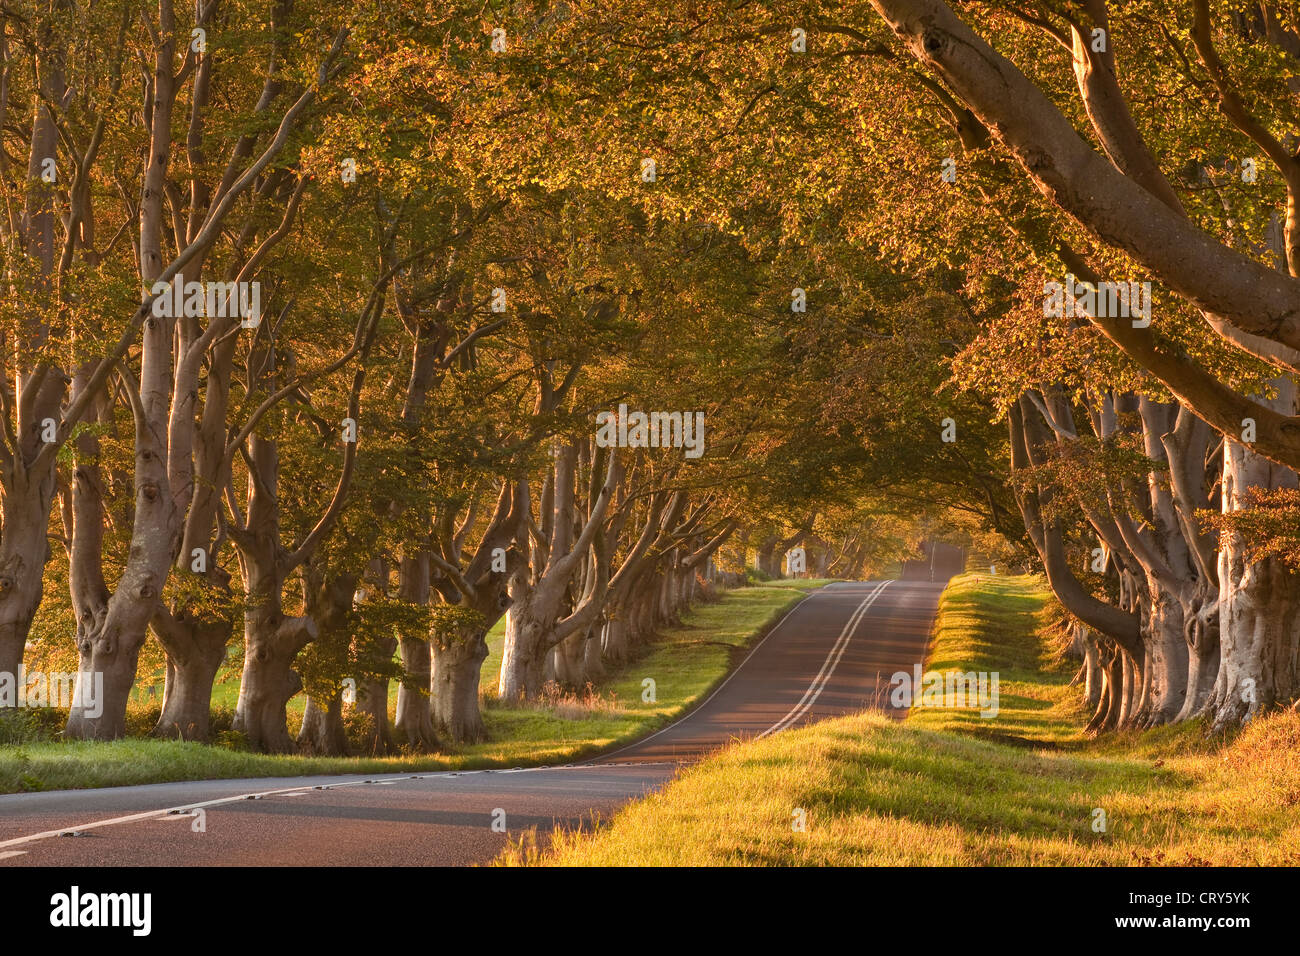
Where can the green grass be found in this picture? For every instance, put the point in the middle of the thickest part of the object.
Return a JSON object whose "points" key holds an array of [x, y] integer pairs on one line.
{"points": [[685, 663], [945, 787], [803, 584]]}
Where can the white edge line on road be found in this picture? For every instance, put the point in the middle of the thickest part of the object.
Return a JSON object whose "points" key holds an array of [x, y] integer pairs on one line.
{"points": [[178, 812], [717, 690], [301, 790], [164, 812], [148, 814]]}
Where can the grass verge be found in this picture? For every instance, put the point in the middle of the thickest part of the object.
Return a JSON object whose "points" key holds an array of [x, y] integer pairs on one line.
{"points": [[685, 662], [945, 787]]}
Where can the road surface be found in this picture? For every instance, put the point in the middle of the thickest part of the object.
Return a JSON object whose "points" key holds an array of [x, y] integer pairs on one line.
{"points": [[832, 654]]}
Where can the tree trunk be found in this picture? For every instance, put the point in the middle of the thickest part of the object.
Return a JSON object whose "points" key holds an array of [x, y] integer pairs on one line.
{"points": [[111, 628], [594, 669], [1130, 690], [571, 661], [644, 617], [666, 607], [1259, 607], [267, 684], [1111, 705], [823, 562], [187, 693], [1260, 620], [687, 590], [372, 700], [1201, 633], [109, 638], [414, 713], [614, 639], [1092, 685], [523, 664], [271, 644], [1165, 676], [322, 732], [28, 492], [457, 661], [1259, 610], [414, 720], [103, 716], [24, 551]]}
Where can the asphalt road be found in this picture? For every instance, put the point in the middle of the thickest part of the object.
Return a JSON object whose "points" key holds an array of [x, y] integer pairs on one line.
{"points": [[832, 654]]}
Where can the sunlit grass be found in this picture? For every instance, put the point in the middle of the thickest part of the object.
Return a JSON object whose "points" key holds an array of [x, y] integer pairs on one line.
{"points": [[803, 584], [685, 662], [947, 788]]}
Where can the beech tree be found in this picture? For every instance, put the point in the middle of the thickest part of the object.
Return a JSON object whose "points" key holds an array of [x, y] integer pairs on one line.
{"points": [[79, 122], [477, 234]]}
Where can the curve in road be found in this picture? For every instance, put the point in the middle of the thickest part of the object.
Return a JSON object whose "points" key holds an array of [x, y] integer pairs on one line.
{"points": [[833, 653]]}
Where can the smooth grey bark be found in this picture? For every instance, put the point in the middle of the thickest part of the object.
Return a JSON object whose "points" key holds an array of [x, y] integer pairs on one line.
{"points": [[414, 716], [1170, 546], [457, 652], [1163, 553], [413, 722], [272, 639], [372, 700], [323, 733], [112, 626], [536, 620], [194, 631], [622, 628], [1092, 686], [27, 476], [328, 598], [196, 656], [372, 694], [1113, 622], [24, 551], [593, 653], [1259, 607], [1115, 207], [457, 662]]}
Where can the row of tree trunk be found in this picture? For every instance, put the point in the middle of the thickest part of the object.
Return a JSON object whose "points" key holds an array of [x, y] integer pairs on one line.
{"points": [[1176, 623]]}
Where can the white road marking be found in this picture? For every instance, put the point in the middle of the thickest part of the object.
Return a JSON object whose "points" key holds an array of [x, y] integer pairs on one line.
{"points": [[166, 812], [828, 666], [154, 814], [8, 853], [716, 691]]}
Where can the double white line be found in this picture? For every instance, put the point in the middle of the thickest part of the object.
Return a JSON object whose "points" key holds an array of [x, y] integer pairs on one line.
{"points": [[828, 666]]}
